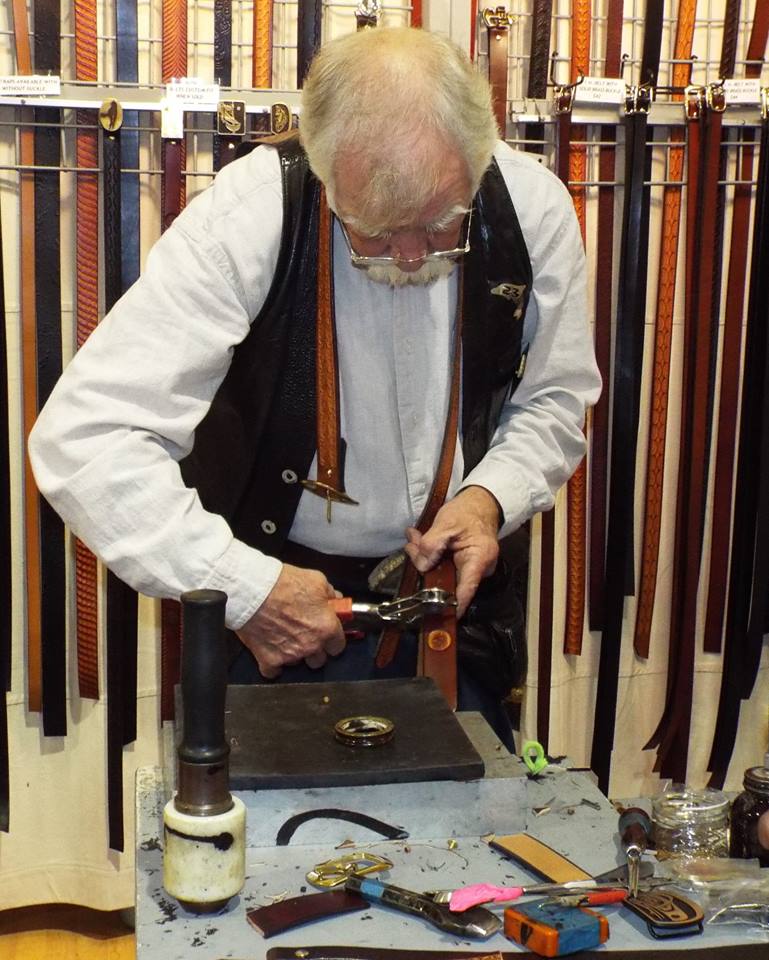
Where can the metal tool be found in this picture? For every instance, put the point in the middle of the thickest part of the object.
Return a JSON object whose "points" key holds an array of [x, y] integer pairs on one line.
{"points": [[634, 829], [402, 612], [477, 923]]}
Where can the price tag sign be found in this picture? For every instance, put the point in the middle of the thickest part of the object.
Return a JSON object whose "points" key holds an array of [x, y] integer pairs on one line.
{"points": [[171, 119], [600, 90], [743, 92], [190, 93], [34, 86]]}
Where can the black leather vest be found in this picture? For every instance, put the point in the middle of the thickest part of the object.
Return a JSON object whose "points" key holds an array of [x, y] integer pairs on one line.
{"points": [[258, 437]]}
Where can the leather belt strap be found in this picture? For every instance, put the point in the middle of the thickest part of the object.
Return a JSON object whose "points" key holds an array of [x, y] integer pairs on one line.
{"points": [[663, 330], [498, 24], [310, 17], [628, 357], [119, 593], [87, 298], [127, 68], [174, 64], [29, 366], [604, 285], [656, 951], [225, 146], [539, 65], [261, 71], [6, 639], [731, 357], [121, 600], [329, 482], [47, 136], [416, 13], [576, 491], [747, 597], [275, 918], [545, 636], [442, 660]]}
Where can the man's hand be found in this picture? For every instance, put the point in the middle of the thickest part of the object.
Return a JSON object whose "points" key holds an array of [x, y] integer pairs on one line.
{"points": [[294, 623], [467, 526]]}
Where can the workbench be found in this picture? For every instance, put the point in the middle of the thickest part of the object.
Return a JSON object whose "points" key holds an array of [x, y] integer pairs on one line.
{"points": [[445, 821]]}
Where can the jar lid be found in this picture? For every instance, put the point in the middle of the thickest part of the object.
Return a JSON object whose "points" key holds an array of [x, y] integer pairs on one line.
{"points": [[757, 778], [682, 805]]}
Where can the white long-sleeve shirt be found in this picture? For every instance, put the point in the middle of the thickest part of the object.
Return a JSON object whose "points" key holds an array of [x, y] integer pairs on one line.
{"points": [[105, 449]]}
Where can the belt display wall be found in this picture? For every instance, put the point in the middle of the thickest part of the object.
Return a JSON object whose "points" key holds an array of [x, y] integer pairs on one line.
{"points": [[646, 599]]}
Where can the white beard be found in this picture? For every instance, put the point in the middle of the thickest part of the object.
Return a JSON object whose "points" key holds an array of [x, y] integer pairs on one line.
{"points": [[427, 273]]}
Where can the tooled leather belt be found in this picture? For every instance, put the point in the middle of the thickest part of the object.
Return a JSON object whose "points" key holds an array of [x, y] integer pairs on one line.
{"points": [[498, 24], [87, 299], [5, 560], [663, 330]]}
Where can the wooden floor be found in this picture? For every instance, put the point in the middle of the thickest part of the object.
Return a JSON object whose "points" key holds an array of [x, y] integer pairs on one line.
{"points": [[62, 932]]}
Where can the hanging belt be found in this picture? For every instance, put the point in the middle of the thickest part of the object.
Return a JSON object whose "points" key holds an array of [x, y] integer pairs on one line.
{"points": [[604, 284], [672, 734], [49, 365], [6, 638], [628, 357], [225, 145], [576, 491], [498, 23], [128, 72], [87, 298], [174, 64], [416, 13], [748, 557], [309, 19], [666, 289], [29, 365], [730, 358]]}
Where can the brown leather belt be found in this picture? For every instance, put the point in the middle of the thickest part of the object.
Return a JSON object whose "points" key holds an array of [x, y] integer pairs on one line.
{"points": [[87, 298], [663, 330], [261, 66], [576, 491], [498, 23], [731, 357], [443, 660]]}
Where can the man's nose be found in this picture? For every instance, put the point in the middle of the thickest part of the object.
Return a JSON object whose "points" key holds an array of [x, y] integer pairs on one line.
{"points": [[409, 246]]}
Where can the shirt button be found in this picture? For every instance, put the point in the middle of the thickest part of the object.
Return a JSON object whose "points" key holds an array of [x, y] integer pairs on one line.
{"points": [[288, 476], [268, 526]]}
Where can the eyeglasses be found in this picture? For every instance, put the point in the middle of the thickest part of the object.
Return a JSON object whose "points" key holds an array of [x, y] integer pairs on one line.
{"points": [[359, 260]]}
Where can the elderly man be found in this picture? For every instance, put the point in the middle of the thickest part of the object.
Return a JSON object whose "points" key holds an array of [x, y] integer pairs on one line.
{"points": [[182, 443]]}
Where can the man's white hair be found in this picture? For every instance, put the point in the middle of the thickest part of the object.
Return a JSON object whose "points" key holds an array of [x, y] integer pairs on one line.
{"points": [[390, 102]]}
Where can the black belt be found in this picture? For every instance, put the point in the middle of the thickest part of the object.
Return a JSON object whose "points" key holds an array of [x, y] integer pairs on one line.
{"points": [[628, 363], [128, 72], [747, 597], [350, 573], [310, 16], [604, 284], [49, 366]]}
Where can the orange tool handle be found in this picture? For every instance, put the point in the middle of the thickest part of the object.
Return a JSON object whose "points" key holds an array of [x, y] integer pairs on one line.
{"points": [[592, 899], [342, 607]]}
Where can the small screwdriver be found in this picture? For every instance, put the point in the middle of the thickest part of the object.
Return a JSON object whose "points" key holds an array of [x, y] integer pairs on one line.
{"points": [[634, 830]]}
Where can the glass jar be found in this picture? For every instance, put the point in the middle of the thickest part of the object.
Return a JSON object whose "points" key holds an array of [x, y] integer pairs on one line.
{"points": [[750, 806], [691, 823]]}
